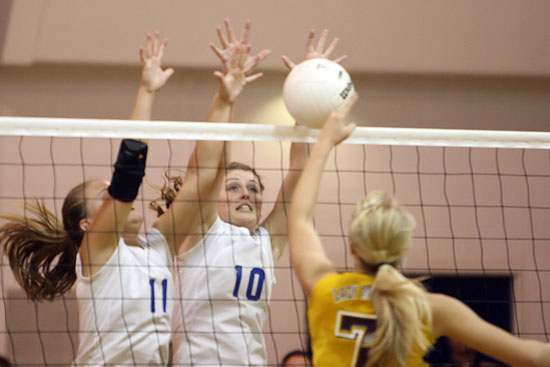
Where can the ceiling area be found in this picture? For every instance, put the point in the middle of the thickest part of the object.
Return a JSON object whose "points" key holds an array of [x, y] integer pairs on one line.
{"points": [[475, 37]]}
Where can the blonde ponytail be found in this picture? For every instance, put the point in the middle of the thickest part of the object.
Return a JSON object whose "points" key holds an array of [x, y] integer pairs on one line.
{"points": [[381, 232], [403, 316]]}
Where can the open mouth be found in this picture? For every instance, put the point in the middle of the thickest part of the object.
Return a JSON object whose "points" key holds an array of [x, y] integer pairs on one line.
{"points": [[246, 208]]}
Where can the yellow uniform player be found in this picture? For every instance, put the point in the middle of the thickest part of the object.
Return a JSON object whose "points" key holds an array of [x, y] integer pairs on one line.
{"points": [[374, 316], [342, 321]]}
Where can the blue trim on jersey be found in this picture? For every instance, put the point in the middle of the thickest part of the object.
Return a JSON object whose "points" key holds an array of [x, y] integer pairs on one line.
{"points": [[239, 270], [152, 283], [259, 287], [164, 292]]}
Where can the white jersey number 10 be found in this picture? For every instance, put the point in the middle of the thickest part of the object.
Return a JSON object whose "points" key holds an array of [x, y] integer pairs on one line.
{"points": [[253, 293]]}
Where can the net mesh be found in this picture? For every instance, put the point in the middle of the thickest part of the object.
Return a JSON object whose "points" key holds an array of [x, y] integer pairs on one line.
{"points": [[482, 213]]}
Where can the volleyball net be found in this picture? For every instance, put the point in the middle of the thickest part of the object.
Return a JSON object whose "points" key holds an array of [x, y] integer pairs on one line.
{"points": [[481, 200]]}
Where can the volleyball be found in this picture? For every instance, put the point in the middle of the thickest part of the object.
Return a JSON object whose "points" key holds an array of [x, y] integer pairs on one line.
{"points": [[315, 88]]}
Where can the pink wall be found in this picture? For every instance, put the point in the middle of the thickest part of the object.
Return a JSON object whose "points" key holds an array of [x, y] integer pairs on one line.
{"points": [[453, 64], [389, 100]]}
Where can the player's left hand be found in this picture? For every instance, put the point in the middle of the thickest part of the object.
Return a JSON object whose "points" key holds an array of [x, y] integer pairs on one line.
{"points": [[237, 76], [237, 64], [229, 42], [152, 75]]}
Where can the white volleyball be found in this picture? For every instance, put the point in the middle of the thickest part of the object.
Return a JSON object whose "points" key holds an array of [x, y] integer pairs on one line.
{"points": [[315, 88]]}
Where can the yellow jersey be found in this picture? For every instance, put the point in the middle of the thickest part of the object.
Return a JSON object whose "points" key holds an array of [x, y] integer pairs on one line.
{"points": [[342, 320]]}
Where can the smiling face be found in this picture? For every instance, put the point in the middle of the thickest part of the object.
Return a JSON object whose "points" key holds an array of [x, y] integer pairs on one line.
{"points": [[240, 201]]}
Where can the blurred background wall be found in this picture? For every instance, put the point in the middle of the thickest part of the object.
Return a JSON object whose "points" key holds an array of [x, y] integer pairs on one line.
{"points": [[459, 64]]}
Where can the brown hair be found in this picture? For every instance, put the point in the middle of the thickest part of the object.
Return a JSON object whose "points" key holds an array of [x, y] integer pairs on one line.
{"points": [[168, 193], [381, 233], [42, 249], [243, 167], [172, 185]]}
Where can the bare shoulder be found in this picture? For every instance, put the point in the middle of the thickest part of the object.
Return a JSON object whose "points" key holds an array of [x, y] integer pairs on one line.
{"points": [[443, 303], [440, 301], [444, 308]]}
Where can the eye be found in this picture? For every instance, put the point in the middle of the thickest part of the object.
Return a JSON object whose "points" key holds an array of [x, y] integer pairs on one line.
{"points": [[253, 189], [232, 188]]}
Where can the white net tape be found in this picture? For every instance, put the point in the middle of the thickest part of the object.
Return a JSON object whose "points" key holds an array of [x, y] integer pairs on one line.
{"points": [[94, 128]]}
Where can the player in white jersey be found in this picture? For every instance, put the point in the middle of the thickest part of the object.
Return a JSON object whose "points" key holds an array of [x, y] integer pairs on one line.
{"points": [[124, 283], [226, 285], [224, 277], [133, 326]]}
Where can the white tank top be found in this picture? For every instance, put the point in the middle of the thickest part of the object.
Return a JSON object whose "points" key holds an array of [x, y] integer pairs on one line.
{"points": [[125, 308], [223, 285]]}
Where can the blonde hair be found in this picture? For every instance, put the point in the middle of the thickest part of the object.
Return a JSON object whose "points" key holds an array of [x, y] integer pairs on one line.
{"points": [[381, 232]]}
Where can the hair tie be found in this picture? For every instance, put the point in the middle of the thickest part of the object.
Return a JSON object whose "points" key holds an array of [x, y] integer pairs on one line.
{"points": [[368, 206], [377, 204]]}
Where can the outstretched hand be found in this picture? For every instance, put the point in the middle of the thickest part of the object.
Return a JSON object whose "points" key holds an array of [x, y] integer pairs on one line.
{"points": [[237, 64], [237, 75], [152, 75], [313, 52], [229, 42], [337, 128]]}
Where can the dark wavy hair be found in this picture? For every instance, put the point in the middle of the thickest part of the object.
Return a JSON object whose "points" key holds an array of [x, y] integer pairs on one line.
{"points": [[172, 185]]}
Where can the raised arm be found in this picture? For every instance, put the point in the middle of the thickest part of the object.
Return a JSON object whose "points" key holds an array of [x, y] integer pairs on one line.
{"points": [[152, 76], [195, 208], [454, 319], [276, 221], [103, 231], [307, 255]]}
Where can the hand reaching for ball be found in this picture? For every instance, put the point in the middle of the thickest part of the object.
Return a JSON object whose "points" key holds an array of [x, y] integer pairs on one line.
{"points": [[337, 128], [317, 86], [316, 52]]}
